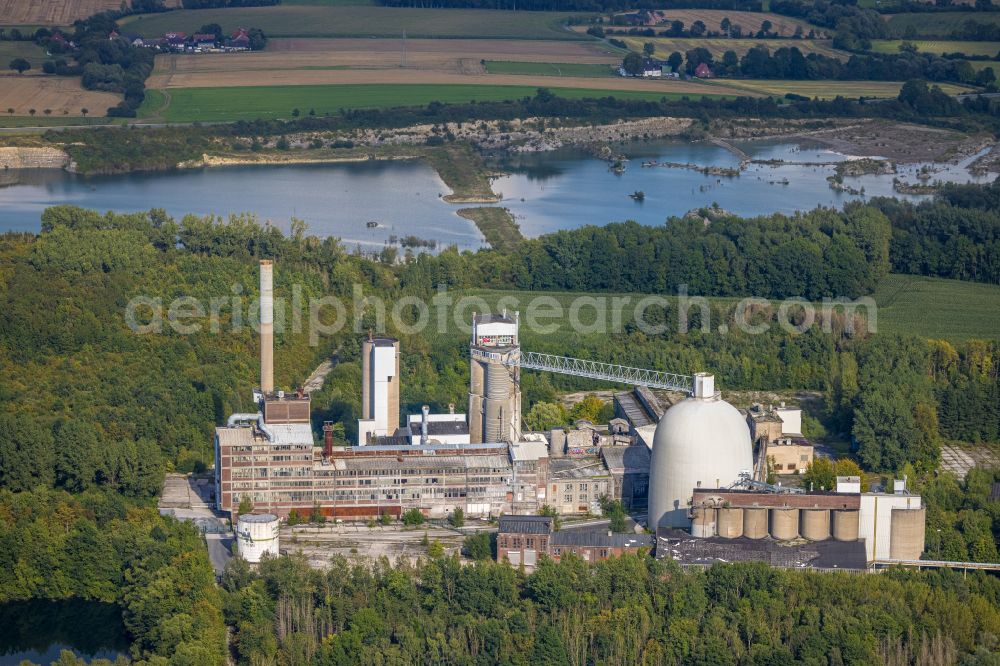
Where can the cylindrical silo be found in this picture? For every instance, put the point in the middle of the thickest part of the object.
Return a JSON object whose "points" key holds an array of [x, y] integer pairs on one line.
{"points": [[257, 534], [845, 524], [730, 522], [703, 521], [754, 523], [816, 524], [906, 539], [785, 524], [497, 392]]}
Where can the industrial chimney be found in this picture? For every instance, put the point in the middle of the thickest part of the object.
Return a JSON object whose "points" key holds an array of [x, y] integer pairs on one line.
{"points": [[327, 439], [266, 327], [424, 411]]}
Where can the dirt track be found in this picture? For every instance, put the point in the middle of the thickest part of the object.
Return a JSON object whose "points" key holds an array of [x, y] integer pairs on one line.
{"points": [[64, 96], [427, 77]]}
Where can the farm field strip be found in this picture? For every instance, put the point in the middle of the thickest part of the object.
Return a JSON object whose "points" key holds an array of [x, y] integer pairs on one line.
{"points": [[362, 21], [27, 50], [718, 46], [236, 79], [748, 21], [459, 56], [550, 68], [938, 46], [928, 307], [62, 95], [51, 12], [939, 24], [826, 89], [249, 103]]}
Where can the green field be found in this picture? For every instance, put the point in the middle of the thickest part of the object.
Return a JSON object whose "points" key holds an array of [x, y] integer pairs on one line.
{"points": [[939, 24], [548, 69], [359, 21], [932, 308], [938, 308], [27, 50], [249, 103], [938, 47]]}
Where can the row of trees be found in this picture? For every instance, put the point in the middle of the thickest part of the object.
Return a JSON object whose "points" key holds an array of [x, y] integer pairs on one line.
{"points": [[631, 610]]}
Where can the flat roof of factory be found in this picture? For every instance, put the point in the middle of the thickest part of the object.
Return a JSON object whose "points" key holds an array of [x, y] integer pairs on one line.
{"points": [[830, 554], [576, 468]]}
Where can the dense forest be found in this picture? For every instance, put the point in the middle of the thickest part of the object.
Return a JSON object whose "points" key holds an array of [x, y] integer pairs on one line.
{"points": [[99, 546], [633, 610]]}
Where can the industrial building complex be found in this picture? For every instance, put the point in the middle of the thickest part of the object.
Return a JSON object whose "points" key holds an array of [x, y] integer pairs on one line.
{"points": [[698, 468]]}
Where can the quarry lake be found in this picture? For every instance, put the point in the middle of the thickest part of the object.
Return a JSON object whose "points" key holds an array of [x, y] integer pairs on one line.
{"points": [[547, 191], [38, 630]]}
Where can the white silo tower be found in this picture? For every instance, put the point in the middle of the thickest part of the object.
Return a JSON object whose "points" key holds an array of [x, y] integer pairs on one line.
{"points": [[701, 442], [256, 534]]}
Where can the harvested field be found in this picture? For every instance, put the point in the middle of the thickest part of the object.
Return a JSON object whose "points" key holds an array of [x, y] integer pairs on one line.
{"points": [[461, 56], [938, 47], [238, 78], [355, 21], [55, 12], [718, 46], [63, 95]]}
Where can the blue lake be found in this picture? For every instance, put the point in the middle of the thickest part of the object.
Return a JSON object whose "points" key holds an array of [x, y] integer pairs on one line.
{"points": [[561, 189]]}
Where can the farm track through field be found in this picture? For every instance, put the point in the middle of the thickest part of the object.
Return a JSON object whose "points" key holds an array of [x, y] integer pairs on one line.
{"points": [[429, 77]]}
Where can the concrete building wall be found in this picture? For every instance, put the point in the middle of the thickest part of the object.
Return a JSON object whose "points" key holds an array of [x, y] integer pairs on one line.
{"points": [[875, 521], [790, 458]]}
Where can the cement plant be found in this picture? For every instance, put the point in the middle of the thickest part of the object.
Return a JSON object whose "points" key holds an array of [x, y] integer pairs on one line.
{"points": [[692, 474]]}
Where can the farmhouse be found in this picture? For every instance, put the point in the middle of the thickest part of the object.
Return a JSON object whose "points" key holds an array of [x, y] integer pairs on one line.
{"points": [[703, 71]]}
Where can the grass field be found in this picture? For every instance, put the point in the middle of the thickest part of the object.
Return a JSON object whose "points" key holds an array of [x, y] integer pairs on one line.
{"points": [[249, 103], [361, 21], [548, 69], [938, 308], [826, 89], [938, 25], [939, 46], [718, 46], [27, 50], [932, 308]]}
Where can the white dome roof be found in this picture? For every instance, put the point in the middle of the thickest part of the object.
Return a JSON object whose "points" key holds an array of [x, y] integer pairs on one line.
{"points": [[700, 441]]}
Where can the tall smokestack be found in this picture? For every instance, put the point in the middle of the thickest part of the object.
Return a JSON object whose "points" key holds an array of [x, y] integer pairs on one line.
{"points": [[266, 326], [424, 411]]}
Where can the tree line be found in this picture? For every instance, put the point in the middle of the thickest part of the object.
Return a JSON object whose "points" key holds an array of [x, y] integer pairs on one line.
{"points": [[631, 610]]}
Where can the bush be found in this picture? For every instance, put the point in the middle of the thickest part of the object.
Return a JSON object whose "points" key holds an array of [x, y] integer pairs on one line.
{"points": [[457, 518], [478, 546], [413, 517]]}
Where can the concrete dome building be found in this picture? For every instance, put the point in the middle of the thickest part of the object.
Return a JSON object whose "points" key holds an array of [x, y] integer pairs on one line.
{"points": [[702, 441]]}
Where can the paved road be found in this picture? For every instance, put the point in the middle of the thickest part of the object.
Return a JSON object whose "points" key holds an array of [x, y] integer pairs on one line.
{"points": [[219, 550]]}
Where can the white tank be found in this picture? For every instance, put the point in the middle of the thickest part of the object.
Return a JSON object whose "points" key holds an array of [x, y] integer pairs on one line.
{"points": [[256, 534], [702, 441]]}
